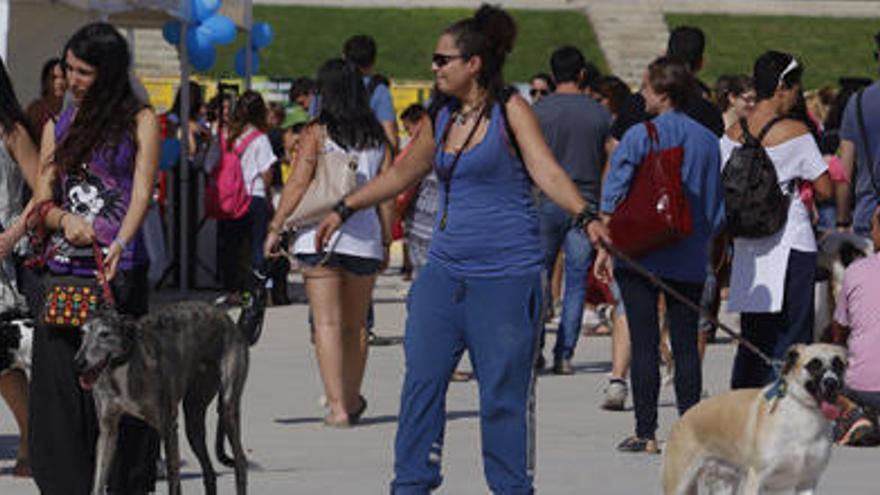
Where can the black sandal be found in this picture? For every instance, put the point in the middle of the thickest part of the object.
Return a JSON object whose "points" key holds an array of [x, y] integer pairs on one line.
{"points": [[635, 445]]}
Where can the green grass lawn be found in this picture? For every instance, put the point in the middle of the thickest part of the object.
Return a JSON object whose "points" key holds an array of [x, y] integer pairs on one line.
{"points": [[829, 48], [307, 36]]}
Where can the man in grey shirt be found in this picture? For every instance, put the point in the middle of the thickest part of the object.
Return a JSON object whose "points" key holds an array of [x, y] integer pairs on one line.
{"points": [[575, 127]]}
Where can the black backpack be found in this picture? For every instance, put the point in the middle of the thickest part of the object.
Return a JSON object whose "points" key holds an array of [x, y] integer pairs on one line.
{"points": [[755, 204]]}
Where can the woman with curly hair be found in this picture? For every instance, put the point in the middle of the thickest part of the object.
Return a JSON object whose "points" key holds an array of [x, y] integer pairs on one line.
{"points": [[98, 165]]}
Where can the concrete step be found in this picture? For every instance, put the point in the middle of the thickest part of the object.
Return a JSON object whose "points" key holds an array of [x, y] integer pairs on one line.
{"points": [[630, 35]]}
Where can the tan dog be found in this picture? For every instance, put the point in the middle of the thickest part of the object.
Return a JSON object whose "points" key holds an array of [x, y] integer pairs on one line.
{"points": [[777, 438]]}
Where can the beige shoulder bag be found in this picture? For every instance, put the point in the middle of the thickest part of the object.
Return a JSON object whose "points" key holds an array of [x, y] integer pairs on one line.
{"points": [[335, 177]]}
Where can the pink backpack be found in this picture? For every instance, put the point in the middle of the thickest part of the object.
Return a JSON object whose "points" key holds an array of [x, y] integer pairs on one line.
{"points": [[226, 197]]}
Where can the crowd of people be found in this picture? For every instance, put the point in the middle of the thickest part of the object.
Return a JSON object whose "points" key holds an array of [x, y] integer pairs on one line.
{"points": [[491, 192]]}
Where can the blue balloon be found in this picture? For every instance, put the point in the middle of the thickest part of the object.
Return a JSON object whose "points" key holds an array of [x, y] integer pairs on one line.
{"points": [[198, 41], [171, 32], [221, 29], [203, 59], [240, 62], [261, 34], [169, 153], [203, 9]]}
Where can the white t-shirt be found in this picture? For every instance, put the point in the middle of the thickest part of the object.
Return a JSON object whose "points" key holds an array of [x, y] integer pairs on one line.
{"points": [[757, 279], [257, 158], [361, 234]]}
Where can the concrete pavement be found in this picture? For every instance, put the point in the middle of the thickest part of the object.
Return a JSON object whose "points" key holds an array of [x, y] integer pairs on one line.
{"points": [[293, 453]]}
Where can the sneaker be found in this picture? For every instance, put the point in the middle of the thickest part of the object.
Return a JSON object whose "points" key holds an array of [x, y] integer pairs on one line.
{"points": [[562, 366], [615, 395], [854, 428]]}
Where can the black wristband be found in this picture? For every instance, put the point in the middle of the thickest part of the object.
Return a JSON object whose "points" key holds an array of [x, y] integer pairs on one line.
{"points": [[587, 215], [343, 210]]}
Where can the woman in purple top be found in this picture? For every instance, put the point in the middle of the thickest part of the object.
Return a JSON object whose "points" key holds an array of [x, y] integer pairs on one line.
{"points": [[98, 165]]}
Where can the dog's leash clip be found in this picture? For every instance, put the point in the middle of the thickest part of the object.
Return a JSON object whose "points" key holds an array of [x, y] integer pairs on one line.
{"points": [[776, 392]]}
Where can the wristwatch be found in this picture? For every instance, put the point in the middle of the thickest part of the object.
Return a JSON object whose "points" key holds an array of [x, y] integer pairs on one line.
{"points": [[343, 210]]}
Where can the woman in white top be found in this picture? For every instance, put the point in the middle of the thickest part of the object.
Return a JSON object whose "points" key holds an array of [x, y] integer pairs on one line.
{"points": [[772, 277], [247, 126], [339, 282]]}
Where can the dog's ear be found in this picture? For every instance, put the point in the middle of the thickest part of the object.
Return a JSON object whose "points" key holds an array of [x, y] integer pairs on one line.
{"points": [[791, 358]]}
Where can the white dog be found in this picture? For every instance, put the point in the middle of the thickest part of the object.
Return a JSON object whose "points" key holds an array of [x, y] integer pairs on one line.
{"points": [[16, 340], [776, 439]]}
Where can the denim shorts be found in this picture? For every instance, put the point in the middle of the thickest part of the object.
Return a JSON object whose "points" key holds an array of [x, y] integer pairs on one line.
{"points": [[356, 265]]}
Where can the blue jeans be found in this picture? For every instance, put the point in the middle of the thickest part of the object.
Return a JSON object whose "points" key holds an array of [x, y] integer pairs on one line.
{"points": [[644, 333], [496, 320], [557, 232]]}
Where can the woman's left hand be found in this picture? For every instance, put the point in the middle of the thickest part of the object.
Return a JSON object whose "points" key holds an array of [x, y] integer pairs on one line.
{"points": [[111, 260]]}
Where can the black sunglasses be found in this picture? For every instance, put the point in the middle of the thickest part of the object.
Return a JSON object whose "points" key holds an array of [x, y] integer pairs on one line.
{"points": [[441, 59], [536, 92]]}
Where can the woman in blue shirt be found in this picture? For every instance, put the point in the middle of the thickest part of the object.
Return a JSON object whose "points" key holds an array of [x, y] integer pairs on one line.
{"points": [[481, 288], [682, 265]]}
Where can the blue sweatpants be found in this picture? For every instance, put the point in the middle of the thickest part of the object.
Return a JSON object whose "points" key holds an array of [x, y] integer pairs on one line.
{"points": [[497, 320]]}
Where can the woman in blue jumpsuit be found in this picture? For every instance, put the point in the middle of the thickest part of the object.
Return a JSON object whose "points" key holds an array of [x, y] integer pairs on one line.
{"points": [[481, 288]]}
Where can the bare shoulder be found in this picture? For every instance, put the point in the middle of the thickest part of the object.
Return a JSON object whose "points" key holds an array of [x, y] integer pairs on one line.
{"points": [[517, 106], [734, 132], [785, 130]]}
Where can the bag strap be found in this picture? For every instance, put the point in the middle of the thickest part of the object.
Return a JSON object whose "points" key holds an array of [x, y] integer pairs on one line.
{"points": [[245, 141], [653, 136], [869, 158], [744, 126]]}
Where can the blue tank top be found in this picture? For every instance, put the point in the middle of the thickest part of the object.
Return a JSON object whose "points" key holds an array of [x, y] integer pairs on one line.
{"points": [[492, 224]]}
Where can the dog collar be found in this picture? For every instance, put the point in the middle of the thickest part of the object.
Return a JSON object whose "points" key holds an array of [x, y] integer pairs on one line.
{"points": [[777, 391]]}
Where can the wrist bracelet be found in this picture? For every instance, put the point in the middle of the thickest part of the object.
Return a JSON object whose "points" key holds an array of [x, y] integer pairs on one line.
{"points": [[119, 243], [343, 210], [842, 224], [587, 215]]}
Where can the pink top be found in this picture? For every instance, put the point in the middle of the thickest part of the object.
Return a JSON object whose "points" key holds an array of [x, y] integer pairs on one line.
{"points": [[858, 307]]}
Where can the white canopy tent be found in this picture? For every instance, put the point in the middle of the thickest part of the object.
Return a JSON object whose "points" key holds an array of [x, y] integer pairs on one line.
{"points": [[33, 31]]}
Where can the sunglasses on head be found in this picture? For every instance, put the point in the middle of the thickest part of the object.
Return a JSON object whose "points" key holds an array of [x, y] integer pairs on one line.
{"points": [[441, 59], [535, 92]]}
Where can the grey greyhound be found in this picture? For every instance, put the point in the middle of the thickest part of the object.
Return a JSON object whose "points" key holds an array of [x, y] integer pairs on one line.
{"points": [[144, 368]]}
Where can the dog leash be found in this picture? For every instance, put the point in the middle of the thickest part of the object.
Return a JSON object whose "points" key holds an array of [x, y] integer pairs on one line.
{"points": [[641, 270], [101, 275]]}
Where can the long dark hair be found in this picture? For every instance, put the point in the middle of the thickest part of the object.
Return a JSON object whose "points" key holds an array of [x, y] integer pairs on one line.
{"points": [[345, 109], [106, 115], [196, 101], [10, 110], [490, 35], [249, 109]]}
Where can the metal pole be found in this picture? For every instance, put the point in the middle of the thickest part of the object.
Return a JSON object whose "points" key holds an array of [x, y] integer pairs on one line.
{"points": [[183, 210], [248, 54]]}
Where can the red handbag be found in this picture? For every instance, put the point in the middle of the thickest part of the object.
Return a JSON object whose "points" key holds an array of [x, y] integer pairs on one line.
{"points": [[655, 212]]}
